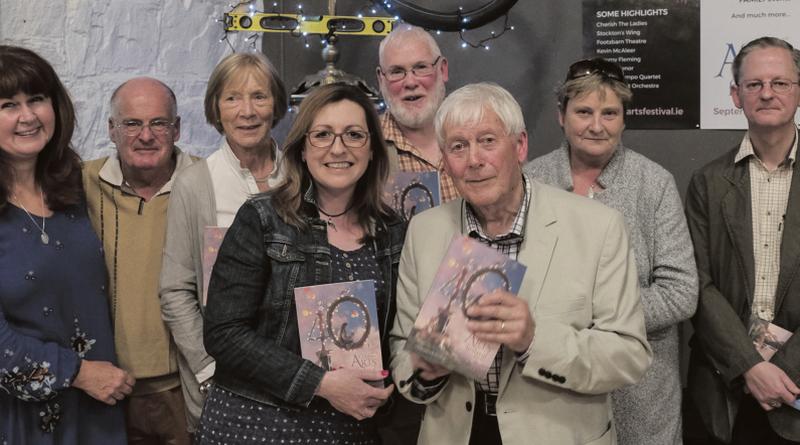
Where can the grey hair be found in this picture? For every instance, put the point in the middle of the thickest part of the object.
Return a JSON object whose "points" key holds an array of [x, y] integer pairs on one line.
{"points": [[467, 105], [114, 103], [762, 43], [406, 32], [591, 83]]}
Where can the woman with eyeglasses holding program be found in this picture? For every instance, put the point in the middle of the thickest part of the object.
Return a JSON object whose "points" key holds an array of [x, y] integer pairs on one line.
{"points": [[244, 100], [592, 161], [326, 223]]}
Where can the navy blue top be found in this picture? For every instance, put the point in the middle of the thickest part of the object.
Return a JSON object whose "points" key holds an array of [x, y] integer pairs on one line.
{"points": [[53, 313]]}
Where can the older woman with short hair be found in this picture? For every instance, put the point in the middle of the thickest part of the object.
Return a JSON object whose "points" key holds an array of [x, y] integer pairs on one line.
{"points": [[592, 161], [244, 100]]}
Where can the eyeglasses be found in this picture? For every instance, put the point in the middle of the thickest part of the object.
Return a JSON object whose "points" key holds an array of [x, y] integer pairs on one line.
{"points": [[159, 127], [780, 86], [326, 138], [598, 65], [422, 69]]}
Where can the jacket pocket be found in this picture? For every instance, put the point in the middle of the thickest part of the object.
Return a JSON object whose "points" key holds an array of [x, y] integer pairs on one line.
{"points": [[285, 264], [283, 252]]}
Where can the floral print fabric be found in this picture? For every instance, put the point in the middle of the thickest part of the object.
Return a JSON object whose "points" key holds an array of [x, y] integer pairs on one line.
{"points": [[53, 313]]}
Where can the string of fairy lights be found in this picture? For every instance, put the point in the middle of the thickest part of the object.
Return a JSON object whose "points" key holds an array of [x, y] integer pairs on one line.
{"points": [[298, 18]]}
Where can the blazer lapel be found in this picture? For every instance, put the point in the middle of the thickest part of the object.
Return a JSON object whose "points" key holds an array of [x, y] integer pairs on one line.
{"points": [[737, 214], [536, 252], [790, 241]]}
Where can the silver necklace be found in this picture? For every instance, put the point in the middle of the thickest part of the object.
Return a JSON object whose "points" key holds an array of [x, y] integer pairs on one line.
{"points": [[590, 194], [44, 237]]}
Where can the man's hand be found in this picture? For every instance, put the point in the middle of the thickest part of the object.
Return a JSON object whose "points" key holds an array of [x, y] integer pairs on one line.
{"points": [[770, 386], [428, 371], [501, 317], [103, 381], [347, 391]]}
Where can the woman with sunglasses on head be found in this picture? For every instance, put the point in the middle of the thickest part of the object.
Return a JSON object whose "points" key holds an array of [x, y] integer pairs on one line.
{"points": [[592, 161], [326, 223], [244, 100], [58, 383]]}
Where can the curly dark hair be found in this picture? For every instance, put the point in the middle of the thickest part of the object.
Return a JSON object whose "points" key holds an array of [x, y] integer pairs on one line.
{"points": [[58, 168]]}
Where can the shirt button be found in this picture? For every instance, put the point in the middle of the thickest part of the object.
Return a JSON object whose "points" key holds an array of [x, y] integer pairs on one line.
{"points": [[469, 406]]}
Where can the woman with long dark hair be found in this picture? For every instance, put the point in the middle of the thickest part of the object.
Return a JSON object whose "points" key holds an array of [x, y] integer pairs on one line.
{"points": [[57, 378]]}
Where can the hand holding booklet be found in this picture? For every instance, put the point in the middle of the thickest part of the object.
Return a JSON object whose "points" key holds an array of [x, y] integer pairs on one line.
{"points": [[468, 271], [768, 338], [338, 325]]}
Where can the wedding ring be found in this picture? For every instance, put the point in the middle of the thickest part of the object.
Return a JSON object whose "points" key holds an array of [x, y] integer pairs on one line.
{"points": [[502, 326], [775, 404]]}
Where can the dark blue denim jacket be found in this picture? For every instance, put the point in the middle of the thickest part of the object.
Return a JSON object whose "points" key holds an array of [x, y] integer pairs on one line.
{"points": [[250, 321]]}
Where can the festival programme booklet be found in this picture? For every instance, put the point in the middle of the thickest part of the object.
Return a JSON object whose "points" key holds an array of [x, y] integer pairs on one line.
{"points": [[338, 325], [409, 193], [768, 338], [468, 271], [212, 239]]}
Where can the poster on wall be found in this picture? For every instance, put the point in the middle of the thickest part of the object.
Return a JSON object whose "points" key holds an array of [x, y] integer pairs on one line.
{"points": [[657, 44], [726, 26]]}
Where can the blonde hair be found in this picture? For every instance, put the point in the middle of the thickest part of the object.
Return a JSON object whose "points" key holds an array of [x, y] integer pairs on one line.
{"points": [[229, 67], [591, 83]]}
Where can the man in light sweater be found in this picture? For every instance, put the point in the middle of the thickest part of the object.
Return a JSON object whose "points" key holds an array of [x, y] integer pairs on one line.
{"points": [[127, 196]]}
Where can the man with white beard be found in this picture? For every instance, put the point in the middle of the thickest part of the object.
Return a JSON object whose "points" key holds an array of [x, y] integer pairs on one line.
{"points": [[411, 74]]}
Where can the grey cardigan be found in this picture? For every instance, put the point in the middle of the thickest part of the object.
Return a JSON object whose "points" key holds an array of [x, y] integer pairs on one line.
{"points": [[646, 195], [191, 209]]}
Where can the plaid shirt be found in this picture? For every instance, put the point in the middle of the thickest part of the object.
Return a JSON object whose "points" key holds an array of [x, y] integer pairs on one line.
{"points": [[507, 244], [411, 159], [769, 195]]}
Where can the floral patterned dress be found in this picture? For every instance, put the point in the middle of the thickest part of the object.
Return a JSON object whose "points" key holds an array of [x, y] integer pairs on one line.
{"points": [[53, 313]]}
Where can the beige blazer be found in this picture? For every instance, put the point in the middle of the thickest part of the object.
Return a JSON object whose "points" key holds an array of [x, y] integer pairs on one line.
{"points": [[583, 294]]}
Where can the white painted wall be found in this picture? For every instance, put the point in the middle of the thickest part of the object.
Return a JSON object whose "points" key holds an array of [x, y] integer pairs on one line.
{"points": [[95, 45]]}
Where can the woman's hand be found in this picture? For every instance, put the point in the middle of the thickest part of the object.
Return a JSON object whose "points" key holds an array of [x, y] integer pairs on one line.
{"points": [[103, 381], [347, 391]]}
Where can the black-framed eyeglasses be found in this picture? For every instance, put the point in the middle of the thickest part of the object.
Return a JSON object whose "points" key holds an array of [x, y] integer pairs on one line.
{"points": [[159, 127], [780, 86], [421, 69], [598, 65], [326, 138]]}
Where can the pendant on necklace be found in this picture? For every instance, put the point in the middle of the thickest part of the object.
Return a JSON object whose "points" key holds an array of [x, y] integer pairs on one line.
{"points": [[45, 238], [590, 194], [331, 224]]}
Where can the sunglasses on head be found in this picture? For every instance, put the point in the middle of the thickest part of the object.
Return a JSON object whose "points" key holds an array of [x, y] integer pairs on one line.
{"points": [[598, 65]]}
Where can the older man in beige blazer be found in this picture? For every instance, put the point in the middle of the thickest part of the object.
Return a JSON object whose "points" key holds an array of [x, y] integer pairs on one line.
{"points": [[574, 333]]}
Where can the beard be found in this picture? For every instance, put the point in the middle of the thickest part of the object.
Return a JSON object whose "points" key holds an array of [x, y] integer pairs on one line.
{"points": [[415, 118]]}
